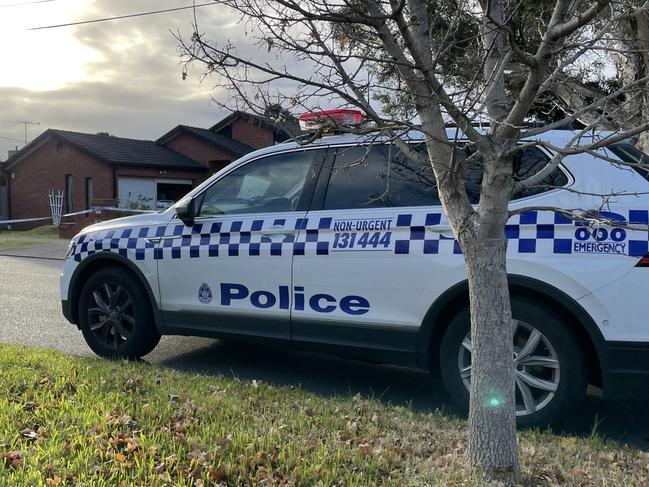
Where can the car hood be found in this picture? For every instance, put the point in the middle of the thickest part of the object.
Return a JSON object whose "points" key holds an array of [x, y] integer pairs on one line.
{"points": [[130, 222]]}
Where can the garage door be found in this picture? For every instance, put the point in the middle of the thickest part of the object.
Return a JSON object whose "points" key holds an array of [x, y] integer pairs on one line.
{"points": [[136, 192]]}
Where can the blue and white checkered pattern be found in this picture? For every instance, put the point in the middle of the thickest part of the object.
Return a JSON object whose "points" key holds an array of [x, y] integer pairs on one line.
{"points": [[231, 239], [122, 241], [415, 240], [639, 248], [529, 233], [540, 232]]}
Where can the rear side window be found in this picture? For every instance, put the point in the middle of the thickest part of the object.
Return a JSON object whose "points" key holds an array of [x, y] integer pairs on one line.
{"points": [[630, 153], [377, 177], [362, 177], [527, 163]]}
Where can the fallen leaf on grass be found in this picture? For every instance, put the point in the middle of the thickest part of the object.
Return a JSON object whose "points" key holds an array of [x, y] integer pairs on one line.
{"points": [[54, 481], [29, 406], [132, 385], [365, 448], [13, 459], [30, 434], [217, 474]]}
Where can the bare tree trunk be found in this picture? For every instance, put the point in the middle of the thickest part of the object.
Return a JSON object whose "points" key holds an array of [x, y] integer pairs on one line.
{"points": [[492, 420]]}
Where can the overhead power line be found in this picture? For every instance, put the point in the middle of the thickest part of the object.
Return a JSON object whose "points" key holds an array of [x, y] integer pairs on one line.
{"points": [[106, 19], [24, 3]]}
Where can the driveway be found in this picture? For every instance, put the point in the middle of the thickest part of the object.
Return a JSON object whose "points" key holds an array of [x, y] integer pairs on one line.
{"points": [[30, 315]]}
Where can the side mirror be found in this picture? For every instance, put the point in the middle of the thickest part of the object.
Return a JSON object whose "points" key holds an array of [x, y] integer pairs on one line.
{"points": [[186, 211]]}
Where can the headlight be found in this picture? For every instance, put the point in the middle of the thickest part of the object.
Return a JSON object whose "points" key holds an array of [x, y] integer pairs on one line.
{"points": [[70, 251]]}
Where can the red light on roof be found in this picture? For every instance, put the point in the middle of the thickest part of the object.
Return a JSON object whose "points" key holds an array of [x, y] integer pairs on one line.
{"points": [[341, 116]]}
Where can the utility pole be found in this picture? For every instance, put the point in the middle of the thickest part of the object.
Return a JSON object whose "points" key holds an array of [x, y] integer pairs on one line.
{"points": [[25, 123]]}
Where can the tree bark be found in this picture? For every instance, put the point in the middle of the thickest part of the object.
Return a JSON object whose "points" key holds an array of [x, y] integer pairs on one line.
{"points": [[492, 418], [492, 421]]}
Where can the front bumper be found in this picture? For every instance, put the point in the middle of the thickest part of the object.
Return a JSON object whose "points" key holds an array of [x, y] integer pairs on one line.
{"points": [[67, 311], [627, 371]]}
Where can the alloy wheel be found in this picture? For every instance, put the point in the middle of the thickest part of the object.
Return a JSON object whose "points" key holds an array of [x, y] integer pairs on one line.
{"points": [[537, 368], [111, 316]]}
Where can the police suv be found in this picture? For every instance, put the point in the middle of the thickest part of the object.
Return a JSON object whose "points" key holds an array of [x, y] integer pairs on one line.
{"points": [[343, 244]]}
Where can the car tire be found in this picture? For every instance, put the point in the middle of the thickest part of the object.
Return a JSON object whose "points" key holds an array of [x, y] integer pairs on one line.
{"points": [[535, 323], [115, 315]]}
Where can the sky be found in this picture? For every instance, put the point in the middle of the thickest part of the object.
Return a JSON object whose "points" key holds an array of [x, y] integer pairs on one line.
{"points": [[122, 77]]}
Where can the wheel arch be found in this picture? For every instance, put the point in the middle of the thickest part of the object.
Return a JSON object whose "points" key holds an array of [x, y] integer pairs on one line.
{"points": [[456, 298], [94, 263]]}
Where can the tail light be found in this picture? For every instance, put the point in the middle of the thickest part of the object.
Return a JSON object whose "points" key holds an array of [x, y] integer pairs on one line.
{"points": [[644, 262]]}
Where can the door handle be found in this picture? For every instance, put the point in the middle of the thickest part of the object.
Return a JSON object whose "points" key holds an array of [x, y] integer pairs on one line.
{"points": [[445, 231], [277, 230], [156, 240], [439, 228]]}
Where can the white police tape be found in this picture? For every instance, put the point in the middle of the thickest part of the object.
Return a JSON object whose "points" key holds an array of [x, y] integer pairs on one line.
{"points": [[96, 209], [25, 220]]}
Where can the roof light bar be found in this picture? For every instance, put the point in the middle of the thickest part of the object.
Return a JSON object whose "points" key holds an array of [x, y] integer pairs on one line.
{"points": [[330, 119]]}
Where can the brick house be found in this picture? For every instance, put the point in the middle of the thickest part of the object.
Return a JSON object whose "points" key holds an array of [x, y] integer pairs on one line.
{"points": [[99, 169], [257, 132], [95, 170], [212, 150], [235, 135]]}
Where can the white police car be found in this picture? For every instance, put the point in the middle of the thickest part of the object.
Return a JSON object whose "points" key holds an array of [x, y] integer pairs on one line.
{"points": [[329, 245]]}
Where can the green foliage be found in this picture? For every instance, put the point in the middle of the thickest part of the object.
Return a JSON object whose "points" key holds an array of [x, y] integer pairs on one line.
{"points": [[459, 57], [141, 203], [85, 421]]}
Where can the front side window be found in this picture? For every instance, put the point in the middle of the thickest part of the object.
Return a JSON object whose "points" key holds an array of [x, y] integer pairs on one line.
{"points": [[272, 184], [379, 176]]}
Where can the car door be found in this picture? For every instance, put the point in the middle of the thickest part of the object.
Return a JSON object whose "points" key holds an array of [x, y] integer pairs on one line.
{"points": [[375, 253], [230, 272]]}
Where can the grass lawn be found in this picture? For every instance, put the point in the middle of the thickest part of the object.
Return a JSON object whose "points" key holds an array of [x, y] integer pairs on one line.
{"points": [[12, 243], [15, 238], [44, 231], [91, 422]]}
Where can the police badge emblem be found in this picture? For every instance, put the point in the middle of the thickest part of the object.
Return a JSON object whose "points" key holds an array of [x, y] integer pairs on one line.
{"points": [[204, 294]]}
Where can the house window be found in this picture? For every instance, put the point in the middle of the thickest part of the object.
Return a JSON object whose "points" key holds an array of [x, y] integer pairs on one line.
{"points": [[68, 194], [89, 193]]}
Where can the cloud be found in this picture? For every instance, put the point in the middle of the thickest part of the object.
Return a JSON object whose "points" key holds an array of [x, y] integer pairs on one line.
{"points": [[127, 73], [131, 87]]}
